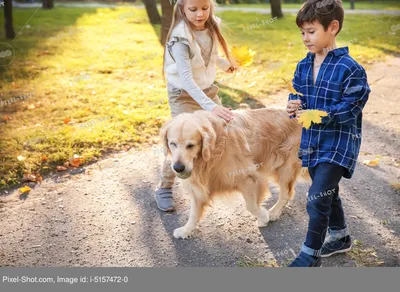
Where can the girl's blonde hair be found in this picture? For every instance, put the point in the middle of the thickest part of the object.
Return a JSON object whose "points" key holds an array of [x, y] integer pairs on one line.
{"points": [[210, 24]]}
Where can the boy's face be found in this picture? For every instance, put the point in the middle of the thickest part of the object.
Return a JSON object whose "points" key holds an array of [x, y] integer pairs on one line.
{"points": [[316, 39], [197, 12]]}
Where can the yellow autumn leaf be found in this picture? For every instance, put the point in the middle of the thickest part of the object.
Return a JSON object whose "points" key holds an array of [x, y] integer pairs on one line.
{"points": [[314, 116], [291, 89], [243, 55], [25, 189], [373, 162]]}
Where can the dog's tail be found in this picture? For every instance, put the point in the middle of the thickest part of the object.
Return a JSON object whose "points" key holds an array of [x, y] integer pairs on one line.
{"points": [[305, 175]]}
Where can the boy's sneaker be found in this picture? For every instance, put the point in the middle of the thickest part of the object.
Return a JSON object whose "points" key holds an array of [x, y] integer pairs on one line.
{"points": [[332, 246], [305, 260], [164, 199]]}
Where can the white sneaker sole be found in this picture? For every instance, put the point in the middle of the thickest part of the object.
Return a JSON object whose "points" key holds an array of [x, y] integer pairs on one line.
{"points": [[335, 252]]}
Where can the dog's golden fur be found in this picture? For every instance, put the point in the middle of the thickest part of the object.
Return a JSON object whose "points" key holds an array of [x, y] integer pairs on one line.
{"points": [[219, 158]]}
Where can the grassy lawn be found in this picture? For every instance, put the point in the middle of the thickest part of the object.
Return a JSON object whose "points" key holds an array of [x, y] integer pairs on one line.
{"points": [[378, 5], [87, 81], [381, 5]]}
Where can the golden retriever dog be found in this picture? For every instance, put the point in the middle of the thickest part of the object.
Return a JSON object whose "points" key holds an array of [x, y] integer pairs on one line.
{"points": [[215, 158]]}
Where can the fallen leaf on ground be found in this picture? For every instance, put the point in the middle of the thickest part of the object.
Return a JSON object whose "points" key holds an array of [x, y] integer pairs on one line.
{"points": [[67, 120], [32, 177], [61, 168], [25, 189], [77, 160], [373, 162], [311, 116]]}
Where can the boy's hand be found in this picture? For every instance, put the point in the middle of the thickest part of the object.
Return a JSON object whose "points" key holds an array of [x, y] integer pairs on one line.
{"points": [[232, 69], [293, 106], [299, 113]]}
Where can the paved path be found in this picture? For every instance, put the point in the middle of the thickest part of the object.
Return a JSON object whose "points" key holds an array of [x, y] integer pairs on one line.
{"points": [[107, 216]]}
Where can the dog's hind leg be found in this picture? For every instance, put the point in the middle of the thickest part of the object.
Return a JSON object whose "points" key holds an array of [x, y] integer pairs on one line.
{"points": [[253, 194], [286, 179], [195, 213]]}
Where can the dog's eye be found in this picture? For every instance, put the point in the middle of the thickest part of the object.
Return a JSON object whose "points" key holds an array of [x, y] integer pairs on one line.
{"points": [[189, 146], [172, 144]]}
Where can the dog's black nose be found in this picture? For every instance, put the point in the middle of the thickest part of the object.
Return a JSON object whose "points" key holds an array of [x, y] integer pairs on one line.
{"points": [[179, 167]]}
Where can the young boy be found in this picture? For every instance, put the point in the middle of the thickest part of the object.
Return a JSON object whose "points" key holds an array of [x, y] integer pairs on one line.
{"points": [[332, 81]]}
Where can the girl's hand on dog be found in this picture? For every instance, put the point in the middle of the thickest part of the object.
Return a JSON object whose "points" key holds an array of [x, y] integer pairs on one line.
{"points": [[292, 106], [223, 112]]}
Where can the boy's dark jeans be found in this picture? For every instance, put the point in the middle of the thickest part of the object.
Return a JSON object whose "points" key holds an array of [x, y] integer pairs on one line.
{"points": [[324, 207]]}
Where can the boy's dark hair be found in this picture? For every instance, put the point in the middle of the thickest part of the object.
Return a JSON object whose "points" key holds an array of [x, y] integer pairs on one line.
{"points": [[324, 11]]}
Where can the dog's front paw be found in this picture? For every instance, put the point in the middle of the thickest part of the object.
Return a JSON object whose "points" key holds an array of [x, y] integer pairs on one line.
{"points": [[182, 232], [264, 219], [274, 214]]}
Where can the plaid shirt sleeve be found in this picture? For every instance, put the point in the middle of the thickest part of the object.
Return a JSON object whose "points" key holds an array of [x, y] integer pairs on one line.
{"points": [[296, 82], [354, 97]]}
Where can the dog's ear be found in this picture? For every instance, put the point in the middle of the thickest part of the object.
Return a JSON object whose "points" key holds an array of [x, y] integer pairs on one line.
{"points": [[164, 139], [209, 137]]}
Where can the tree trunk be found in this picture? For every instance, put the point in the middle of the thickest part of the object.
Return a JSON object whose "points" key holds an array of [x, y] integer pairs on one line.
{"points": [[8, 20], [276, 9], [48, 4], [152, 11], [352, 4], [166, 19]]}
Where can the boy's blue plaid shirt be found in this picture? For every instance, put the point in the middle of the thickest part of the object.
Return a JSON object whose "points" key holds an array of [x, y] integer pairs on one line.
{"points": [[341, 89]]}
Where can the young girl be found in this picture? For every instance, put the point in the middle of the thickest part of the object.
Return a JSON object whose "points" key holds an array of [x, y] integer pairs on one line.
{"points": [[190, 60]]}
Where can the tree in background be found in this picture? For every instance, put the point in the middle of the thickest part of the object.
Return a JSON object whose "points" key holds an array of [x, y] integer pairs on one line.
{"points": [[8, 20], [48, 4], [152, 11], [167, 8], [276, 8]]}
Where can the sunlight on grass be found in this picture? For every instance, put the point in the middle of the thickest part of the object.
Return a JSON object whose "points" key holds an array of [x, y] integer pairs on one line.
{"points": [[93, 77], [279, 48], [95, 69], [381, 5]]}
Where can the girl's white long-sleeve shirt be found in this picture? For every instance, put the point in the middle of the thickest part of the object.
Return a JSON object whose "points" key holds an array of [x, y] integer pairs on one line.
{"points": [[182, 55]]}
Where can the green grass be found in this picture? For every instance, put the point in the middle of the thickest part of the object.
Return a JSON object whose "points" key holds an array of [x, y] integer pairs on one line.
{"points": [[103, 72], [378, 5], [381, 5]]}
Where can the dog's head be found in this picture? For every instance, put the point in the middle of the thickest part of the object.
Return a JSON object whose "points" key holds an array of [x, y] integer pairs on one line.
{"points": [[186, 138]]}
